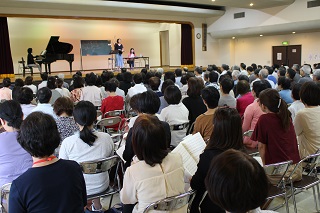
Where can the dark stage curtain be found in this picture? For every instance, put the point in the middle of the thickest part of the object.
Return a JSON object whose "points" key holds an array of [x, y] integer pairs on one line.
{"points": [[186, 45], [6, 65]]}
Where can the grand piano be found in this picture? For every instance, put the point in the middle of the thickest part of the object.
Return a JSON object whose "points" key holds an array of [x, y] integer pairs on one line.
{"points": [[55, 50]]}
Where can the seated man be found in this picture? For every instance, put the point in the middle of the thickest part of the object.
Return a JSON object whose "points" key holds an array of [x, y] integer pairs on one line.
{"points": [[44, 95]]}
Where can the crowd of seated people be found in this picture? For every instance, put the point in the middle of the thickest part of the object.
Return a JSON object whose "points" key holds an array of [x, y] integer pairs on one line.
{"points": [[232, 102]]}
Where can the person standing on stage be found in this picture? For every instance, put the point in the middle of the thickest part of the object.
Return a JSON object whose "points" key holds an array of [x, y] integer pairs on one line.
{"points": [[131, 57], [119, 60]]}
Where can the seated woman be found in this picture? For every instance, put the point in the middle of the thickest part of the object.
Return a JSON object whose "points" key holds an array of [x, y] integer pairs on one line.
{"points": [[245, 96], [112, 101], [227, 134], [237, 183], [76, 93], [5, 91], [279, 143], [284, 87], [253, 112], [307, 121], [88, 145], [12, 155], [28, 82], [163, 173], [51, 84], [63, 107], [175, 114], [296, 105], [52, 185], [24, 96]]}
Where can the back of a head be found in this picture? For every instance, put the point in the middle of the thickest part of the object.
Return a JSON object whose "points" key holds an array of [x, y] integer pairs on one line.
{"points": [[263, 74], [316, 74], [25, 95], [28, 80], [11, 112], [110, 86], [236, 67], [123, 70], [310, 93], [296, 91], [284, 82], [114, 80], [51, 84], [236, 182], [282, 71], [189, 75], [306, 69], [79, 73], [291, 73], [144, 70], [270, 70], [296, 67], [195, 85], [225, 66], [147, 77], [137, 78], [78, 82], [148, 102], [259, 86], [127, 77], [198, 70], [85, 114], [243, 66], [211, 96], [44, 95], [149, 140], [250, 69], [39, 135], [63, 105], [160, 70], [235, 74], [59, 82], [243, 87], [172, 95], [91, 79], [226, 85], [169, 75], [227, 132], [6, 82], [243, 78], [18, 82], [154, 83], [178, 72], [213, 77], [134, 103], [254, 66], [165, 84]]}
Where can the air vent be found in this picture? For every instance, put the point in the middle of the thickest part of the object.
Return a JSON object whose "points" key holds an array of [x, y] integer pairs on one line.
{"points": [[239, 15], [315, 3]]}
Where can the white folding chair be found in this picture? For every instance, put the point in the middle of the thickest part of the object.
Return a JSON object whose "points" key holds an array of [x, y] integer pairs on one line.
{"points": [[4, 198]]}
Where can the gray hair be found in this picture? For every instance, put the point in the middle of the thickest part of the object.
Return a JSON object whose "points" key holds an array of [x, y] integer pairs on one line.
{"points": [[306, 69], [235, 73], [296, 67], [160, 69], [263, 73], [236, 67], [317, 73]]}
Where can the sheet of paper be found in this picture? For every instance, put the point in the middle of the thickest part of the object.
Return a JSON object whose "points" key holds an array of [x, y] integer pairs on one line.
{"points": [[194, 145], [120, 152], [189, 164]]}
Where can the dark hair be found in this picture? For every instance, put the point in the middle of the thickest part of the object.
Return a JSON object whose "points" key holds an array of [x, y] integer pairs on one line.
{"points": [[213, 77], [144, 70], [271, 99], [137, 78], [149, 139], [243, 77], [284, 82], [243, 65], [169, 75], [158, 74], [310, 93], [77, 81], [256, 72], [259, 86], [250, 69], [106, 76], [118, 40], [148, 102], [63, 104], [79, 73], [51, 83], [98, 82], [282, 71], [127, 77], [189, 75], [39, 134], [227, 131], [236, 182], [211, 96], [172, 95], [29, 50], [44, 76], [154, 83], [110, 86], [59, 82], [291, 73], [270, 70], [243, 87], [254, 66], [198, 70], [123, 70], [296, 91], [25, 95], [148, 76], [134, 102], [225, 67], [6, 82], [44, 95], [11, 112], [226, 85], [18, 82], [183, 80], [178, 72], [195, 85], [115, 81], [85, 114], [165, 84], [91, 79], [28, 80]]}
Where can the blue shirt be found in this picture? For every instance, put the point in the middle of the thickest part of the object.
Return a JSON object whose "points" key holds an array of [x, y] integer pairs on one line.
{"points": [[286, 95]]}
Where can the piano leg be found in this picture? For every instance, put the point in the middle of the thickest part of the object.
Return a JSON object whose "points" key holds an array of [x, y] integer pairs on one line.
{"points": [[70, 63], [49, 67], [46, 67]]}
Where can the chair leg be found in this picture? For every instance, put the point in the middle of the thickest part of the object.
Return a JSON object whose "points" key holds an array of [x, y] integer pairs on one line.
{"points": [[287, 203], [110, 201], [294, 199], [315, 199], [31, 70], [315, 195]]}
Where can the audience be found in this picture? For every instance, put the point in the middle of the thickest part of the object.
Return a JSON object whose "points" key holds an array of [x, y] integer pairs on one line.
{"points": [[305, 74], [154, 83], [62, 90], [178, 73], [296, 105], [5, 91], [226, 86], [112, 101], [296, 77], [44, 77], [51, 84], [78, 85], [126, 84], [316, 75], [44, 97], [18, 82], [28, 82], [213, 79], [163, 102], [284, 87], [24, 96], [119, 91], [91, 92], [245, 96], [138, 87]]}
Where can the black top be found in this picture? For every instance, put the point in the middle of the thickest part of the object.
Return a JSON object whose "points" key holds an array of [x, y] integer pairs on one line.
{"points": [[30, 59], [197, 183], [118, 47], [58, 187], [128, 152], [125, 86], [195, 106]]}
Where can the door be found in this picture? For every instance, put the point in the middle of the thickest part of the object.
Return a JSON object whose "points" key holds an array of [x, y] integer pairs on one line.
{"points": [[164, 48], [294, 55], [279, 55], [288, 55]]}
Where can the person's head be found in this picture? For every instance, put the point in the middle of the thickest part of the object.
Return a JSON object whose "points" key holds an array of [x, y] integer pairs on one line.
{"points": [[226, 85], [91, 79], [295, 93], [254, 66], [29, 50], [178, 72], [98, 82], [28, 80], [263, 74], [144, 70], [25, 95], [316, 75], [63, 105], [270, 101], [310, 93], [118, 40], [290, 73], [165, 84], [85, 114], [11, 114], [127, 77], [78, 82], [256, 72], [6, 82], [134, 103], [147, 77], [259, 66], [44, 95], [250, 69], [225, 67], [51, 84], [106, 76], [154, 83], [160, 70], [79, 73], [189, 75], [183, 80], [198, 71], [243, 66], [148, 102], [296, 68], [39, 135], [305, 70], [243, 78], [210, 96], [243, 87], [235, 74], [131, 50], [235, 67], [270, 70], [227, 131], [169, 75], [259, 86], [213, 77], [114, 80], [110, 86], [18, 82], [172, 95], [59, 83], [149, 140], [236, 182], [137, 78], [195, 85], [284, 82], [282, 71]]}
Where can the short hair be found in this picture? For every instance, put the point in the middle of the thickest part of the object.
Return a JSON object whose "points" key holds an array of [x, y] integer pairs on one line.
{"points": [[284, 82], [235, 67], [114, 80], [29, 50], [158, 74], [189, 75], [227, 85], [316, 74], [296, 67], [147, 77], [243, 66], [282, 71], [134, 102], [78, 81], [165, 84], [264, 73], [154, 83], [169, 75], [63, 105], [291, 73], [44, 95], [211, 96], [59, 82], [178, 72], [256, 72], [235, 73], [306, 69], [91, 79], [6, 82], [123, 70], [198, 70], [25, 95], [195, 85], [39, 134], [296, 91], [270, 70], [28, 80], [137, 78], [127, 77], [243, 87], [148, 102], [183, 80], [259, 86], [250, 69], [243, 77], [144, 70], [236, 182], [149, 139], [254, 66], [18, 82], [310, 93], [79, 73], [110, 86], [51, 83], [213, 77], [225, 66], [160, 70], [106, 76], [172, 95], [11, 112]]}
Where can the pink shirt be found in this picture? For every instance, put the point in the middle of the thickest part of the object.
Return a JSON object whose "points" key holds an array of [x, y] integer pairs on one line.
{"points": [[243, 102], [5, 93], [250, 119]]}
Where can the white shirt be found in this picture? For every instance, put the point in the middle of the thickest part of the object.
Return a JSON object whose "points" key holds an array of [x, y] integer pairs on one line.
{"points": [[92, 94], [120, 92], [27, 109], [73, 148], [64, 92], [42, 84], [178, 79], [45, 108], [136, 89], [32, 87], [244, 72], [295, 107]]}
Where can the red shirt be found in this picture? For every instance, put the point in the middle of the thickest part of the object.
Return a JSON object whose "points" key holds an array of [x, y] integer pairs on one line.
{"points": [[281, 145], [111, 103], [243, 102]]}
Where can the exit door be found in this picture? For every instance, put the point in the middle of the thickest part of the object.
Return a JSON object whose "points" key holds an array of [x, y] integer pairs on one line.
{"points": [[288, 55]]}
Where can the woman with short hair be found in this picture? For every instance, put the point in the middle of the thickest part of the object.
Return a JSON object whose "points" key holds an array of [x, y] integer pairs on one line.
{"points": [[78, 85], [245, 96]]}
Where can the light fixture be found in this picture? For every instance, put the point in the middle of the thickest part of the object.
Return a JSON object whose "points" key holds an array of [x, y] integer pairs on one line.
{"points": [[293, 32], [233, 37], [213, 0], [261, 35], [251, 4]]}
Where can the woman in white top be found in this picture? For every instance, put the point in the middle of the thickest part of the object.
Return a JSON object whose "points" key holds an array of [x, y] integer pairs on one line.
{"points": [[154, 173], [91, 92], [88, 145], [28, 82]]}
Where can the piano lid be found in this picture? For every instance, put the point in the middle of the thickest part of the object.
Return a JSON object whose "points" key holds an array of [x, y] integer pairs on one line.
{"points": [[56, 47]]}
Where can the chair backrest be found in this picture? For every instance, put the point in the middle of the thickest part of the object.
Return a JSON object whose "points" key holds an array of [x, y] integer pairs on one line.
{"points": [[308, 163], [248, 133], [178, 127], [111, 121], [171, 203], [277, 168], [99, 166], [99, 113], [191, 128], [114, 113], [4, 192], [23, 62]]}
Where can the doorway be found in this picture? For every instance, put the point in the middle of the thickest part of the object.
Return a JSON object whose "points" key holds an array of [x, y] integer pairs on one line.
{"points": [[288, 55], [164, 48]]}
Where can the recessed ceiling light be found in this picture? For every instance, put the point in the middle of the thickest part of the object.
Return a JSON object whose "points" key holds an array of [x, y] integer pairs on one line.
{"points": [[251, 4], [293, 32], [261, 35], [213, 0], [233, 37]]}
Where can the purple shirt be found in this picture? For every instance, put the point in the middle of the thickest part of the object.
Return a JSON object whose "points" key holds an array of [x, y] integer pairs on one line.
{"points": [[14, 160]]}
